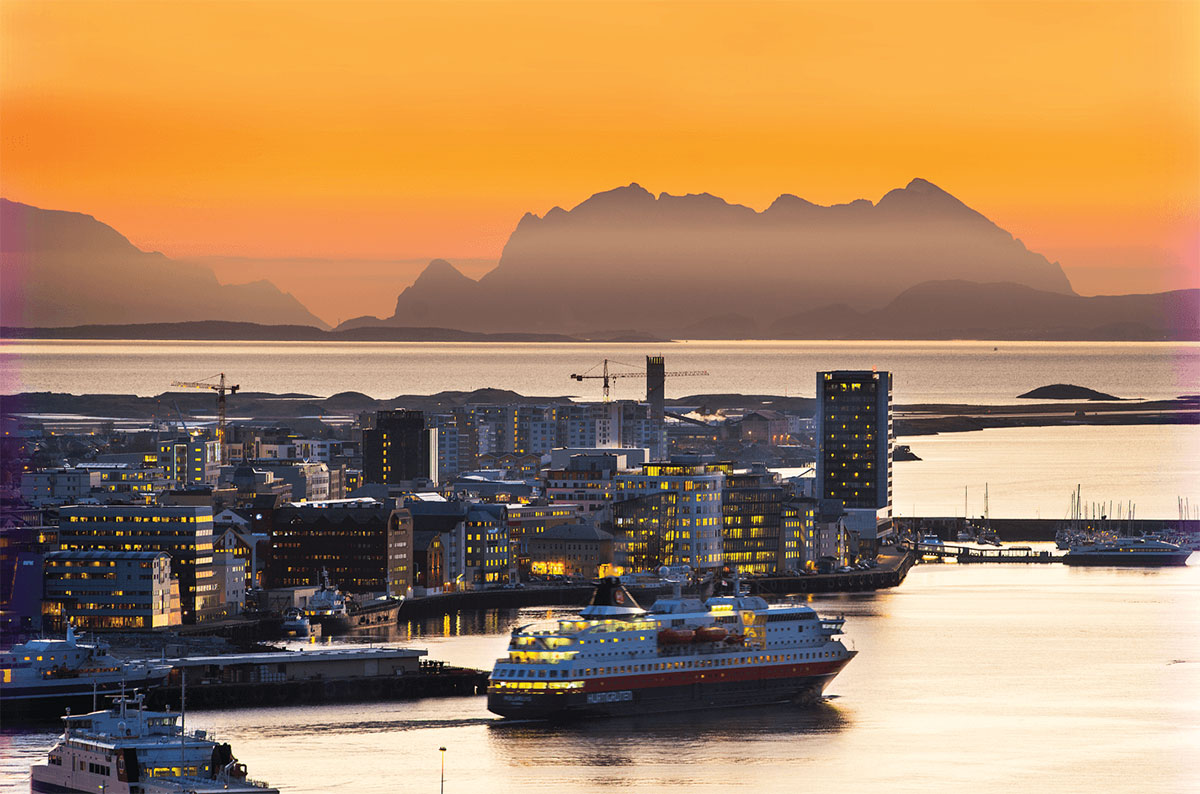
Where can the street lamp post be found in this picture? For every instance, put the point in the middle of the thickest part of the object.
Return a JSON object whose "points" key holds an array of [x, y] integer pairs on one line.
{"points": [[442, 789]]}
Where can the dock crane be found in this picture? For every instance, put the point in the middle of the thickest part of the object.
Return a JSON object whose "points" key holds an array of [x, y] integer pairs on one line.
{"points": [[608, 376], [221, 389]]}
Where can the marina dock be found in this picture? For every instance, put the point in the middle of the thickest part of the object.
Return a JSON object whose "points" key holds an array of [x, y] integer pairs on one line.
{"points": [[965, 554]]}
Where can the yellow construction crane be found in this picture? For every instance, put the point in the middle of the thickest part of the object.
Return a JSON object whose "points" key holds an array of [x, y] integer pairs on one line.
{"points": [[607, 376], [221, 389]]}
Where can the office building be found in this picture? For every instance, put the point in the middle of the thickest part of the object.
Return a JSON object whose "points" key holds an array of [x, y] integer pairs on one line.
{"points": [[58, 486], [854, 447], [108, 590], [753, 540], [186, 533], [397, 448], [854, 428], [670, 514], [365, 546], [128, 481], [194, 460], [577, 550]]}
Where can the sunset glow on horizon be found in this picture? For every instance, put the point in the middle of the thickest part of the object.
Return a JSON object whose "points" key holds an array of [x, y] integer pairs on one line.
{"points": [[407, 131]]}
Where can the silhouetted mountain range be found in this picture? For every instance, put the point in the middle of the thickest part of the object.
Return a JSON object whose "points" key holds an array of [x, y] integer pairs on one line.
{"points": [[66, 268], [919, 264], [678, 264], [966, 310]]}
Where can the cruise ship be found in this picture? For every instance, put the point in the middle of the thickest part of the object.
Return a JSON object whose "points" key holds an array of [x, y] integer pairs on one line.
{"points": [[45, 677], [682, 654], [133, 751]]}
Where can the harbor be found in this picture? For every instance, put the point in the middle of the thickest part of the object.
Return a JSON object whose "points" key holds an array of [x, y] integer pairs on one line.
{"points": [[981, 629]]}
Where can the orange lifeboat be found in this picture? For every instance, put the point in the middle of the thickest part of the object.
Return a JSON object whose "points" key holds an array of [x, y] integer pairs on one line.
{"points": [[675, 636], [711, 634]]}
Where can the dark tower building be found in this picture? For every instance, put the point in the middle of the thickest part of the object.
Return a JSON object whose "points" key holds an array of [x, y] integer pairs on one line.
{"points": [[854, 431], [656, 392], [397, 448]]}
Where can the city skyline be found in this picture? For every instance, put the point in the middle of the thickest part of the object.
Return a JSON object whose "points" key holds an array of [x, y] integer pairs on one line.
{"points": [[399, 133]]}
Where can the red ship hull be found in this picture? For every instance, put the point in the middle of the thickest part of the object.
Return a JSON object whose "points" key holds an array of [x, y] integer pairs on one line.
{"points": [[657, 693]]}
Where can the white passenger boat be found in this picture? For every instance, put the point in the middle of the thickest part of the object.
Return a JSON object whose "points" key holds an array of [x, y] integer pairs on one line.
{"points": [[1127, 551], [128, 750], [46, 677]]}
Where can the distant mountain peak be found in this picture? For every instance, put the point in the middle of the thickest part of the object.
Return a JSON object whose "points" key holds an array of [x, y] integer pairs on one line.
{"points": [[441, 272], [26, 228], [920, 197], [923, 186], [632, 197], [67, 268]]}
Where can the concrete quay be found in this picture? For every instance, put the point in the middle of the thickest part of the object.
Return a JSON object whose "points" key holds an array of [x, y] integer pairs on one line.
{"points": [[894, 565], [433, 680]]}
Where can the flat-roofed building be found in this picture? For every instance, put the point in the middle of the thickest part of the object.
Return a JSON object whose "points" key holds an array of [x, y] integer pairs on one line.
{"points": [[855, 439], [585, 479], [670, 514], [752, 522], [58, 486], [364, 545], [133, 482], [194, 460], [184, 532], [571, 550], [489, 551], [397, 448], [108, 590], [230, 572]]}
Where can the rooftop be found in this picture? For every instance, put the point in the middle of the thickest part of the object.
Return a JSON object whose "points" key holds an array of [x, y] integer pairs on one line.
{"points": [[105, 555]]}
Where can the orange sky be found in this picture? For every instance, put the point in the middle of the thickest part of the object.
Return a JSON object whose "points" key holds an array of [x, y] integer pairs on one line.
{"points": [[412, 130]]}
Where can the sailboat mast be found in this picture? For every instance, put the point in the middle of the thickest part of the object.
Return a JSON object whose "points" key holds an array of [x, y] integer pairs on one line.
{"points": [[182, 719]]}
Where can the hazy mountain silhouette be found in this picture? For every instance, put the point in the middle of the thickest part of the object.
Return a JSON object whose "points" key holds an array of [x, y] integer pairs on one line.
{"points": [[627, 258], [67, 268], [965, 310]]}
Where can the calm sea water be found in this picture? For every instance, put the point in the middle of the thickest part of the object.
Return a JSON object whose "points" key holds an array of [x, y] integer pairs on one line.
{"points": [[968, 678], [925, 372]]}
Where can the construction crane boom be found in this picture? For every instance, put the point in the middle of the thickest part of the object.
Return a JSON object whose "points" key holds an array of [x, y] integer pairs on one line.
{"points": [[221, 389], [607, 376]]}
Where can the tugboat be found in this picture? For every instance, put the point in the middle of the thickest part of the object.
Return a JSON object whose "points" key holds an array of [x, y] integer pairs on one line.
{"points": [[295, 622], [126, 750], [617, 659], [41, 678], [339, 614]]}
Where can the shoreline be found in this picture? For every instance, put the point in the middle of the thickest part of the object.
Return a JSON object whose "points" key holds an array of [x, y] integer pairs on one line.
{"points": [[909, 420]]}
